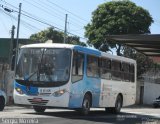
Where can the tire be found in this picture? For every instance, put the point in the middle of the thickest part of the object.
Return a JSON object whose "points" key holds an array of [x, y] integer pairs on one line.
{"points": [[155, 106], [86, 105], [39, 109], [2, 103], [118, 105]]}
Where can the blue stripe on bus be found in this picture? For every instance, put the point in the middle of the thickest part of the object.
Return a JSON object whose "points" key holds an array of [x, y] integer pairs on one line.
{"points": [[28, 90], [88, 50], [87, 84]]}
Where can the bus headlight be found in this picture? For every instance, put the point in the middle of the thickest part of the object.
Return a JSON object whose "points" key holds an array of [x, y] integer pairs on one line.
{"points": [[19, 90], [59, 93]]}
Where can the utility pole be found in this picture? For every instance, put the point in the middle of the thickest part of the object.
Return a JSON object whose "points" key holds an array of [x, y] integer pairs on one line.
{"points": [[65, 28], [12, 49], [18, 26]]}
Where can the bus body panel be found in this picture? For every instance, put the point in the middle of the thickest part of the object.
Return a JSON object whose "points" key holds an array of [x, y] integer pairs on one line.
{"points": [[111, 88], [87, 84], [76, 94]]}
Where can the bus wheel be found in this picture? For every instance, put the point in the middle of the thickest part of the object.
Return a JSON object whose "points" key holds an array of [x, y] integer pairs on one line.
{"points": [[86, 105], [39, 109], [118, 105], [2, 103]]}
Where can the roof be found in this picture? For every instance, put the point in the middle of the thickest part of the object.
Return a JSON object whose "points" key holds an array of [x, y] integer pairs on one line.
{"points": [[121, 58], [48, 45], [77, 47], [61, 45], [148, 44]]}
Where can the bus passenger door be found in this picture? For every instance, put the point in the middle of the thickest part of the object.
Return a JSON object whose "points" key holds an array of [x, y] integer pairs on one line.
{"points": [[77, 83]]}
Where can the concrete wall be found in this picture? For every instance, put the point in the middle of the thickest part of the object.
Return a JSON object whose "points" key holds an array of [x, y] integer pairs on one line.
{"points": [[9, 79], [151, 92]]}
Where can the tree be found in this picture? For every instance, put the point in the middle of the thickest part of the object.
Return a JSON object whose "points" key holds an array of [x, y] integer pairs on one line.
{"points": [[56, 37], [116, 17]]}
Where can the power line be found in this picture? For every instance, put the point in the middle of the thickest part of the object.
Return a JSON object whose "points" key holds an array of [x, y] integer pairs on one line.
{"points": [[44, 10], [29, 13], [41, 7], [71, 20], [48, 6], [66, 10], [3, 22], [43, 22]]}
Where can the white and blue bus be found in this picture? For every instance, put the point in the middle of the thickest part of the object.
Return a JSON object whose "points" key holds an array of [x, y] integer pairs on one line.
{"points": [[73, 77]]}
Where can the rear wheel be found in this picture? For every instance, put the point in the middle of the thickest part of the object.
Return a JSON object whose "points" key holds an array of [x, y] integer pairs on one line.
{"points": [[2, 103], [39, 109], [118, 105], [86, 105], [155, 106]]}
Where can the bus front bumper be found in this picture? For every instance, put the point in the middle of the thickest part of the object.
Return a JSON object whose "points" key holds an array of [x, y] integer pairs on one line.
{"points": [[39, 100]]}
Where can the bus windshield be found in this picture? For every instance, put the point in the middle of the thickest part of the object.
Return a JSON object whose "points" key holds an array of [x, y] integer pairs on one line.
{"points": [[45, 65]]}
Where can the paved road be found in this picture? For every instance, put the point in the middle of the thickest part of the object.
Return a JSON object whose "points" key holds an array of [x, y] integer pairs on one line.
{"points": [[133, 115]]}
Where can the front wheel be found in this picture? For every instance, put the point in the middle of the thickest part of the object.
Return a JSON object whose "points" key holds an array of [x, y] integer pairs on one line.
{"points": [[2, 103], [39, 109], [86, 105]]}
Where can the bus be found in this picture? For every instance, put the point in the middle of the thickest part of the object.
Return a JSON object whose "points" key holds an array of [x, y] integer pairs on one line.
{"points": [[73, 77], [2, 100]]}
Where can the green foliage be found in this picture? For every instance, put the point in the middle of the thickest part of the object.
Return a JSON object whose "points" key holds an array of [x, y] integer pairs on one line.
{"points": [[56, 37], [116, 17]]}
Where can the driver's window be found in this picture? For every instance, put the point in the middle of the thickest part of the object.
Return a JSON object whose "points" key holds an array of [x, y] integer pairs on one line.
{"points": [[77, 66]]}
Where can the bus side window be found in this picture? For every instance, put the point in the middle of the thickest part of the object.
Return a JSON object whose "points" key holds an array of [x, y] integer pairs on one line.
{"points": [[116, 70], [105, 68], [77, 66], [93, 66], [132, 76], [125, 71]]}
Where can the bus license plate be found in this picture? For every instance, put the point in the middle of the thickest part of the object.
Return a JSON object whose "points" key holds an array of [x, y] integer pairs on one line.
{"points": [[44, 90]]}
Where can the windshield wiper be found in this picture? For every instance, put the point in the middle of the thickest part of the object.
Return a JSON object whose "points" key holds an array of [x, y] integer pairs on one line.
{"points": [[27, 79]]}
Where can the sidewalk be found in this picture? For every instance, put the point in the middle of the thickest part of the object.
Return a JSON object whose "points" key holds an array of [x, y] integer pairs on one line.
{"points": [[139, 106], [13, 106]]}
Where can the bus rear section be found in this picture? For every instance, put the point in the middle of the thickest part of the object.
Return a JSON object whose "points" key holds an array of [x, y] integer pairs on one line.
{"points": [[118, 82]]}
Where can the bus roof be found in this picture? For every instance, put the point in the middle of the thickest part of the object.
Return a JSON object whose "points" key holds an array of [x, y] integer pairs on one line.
{"points": [[79, 48], [119, 58], [48, 45], [69, 46]]}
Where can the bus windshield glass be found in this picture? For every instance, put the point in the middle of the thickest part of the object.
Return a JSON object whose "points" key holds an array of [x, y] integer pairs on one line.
{"points": [[43, 65]]}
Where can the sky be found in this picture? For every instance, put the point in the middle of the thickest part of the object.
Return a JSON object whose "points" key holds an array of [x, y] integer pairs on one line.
{"points": [[53, 12]]}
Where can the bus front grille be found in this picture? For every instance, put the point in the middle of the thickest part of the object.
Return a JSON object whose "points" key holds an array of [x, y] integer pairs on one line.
{"points": [[38, 101]]}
